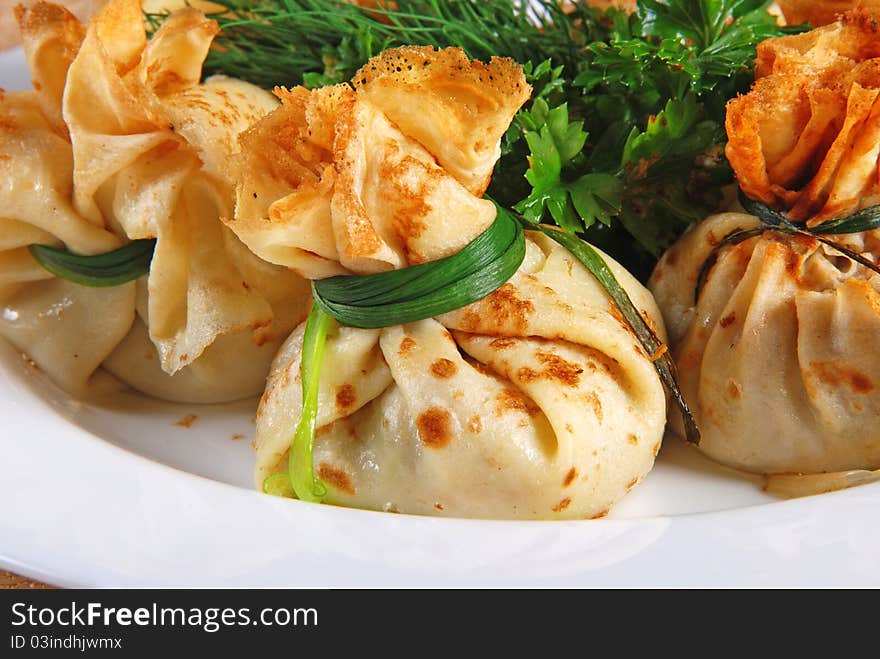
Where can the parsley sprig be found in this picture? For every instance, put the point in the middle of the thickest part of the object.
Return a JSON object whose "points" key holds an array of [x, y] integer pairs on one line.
{"points": [[628, 149]]}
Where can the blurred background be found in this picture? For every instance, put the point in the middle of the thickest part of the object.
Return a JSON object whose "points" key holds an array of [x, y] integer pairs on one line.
{"points": [[9, 30]]}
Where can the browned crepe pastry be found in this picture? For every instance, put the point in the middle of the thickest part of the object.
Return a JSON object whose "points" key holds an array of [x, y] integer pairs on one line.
{"points": [[821, 12], [805, 139]]}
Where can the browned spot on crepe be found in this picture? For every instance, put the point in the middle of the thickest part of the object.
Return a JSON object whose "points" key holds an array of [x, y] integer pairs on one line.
{"points": [[514, 400], [562, 505], [555, 368], [592, 399], [734, 389], [501, 309], [346, 396], [336, 478], [836, 374], [443, 368], [435, 427]]}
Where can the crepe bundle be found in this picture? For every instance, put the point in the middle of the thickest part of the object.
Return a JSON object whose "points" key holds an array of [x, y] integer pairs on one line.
{"points": [[535, 402], [122, 142], [777, 357], [806, 139]]}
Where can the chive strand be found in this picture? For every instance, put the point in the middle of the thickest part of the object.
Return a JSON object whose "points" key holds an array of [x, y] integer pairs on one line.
{"points": [[866, 219], [428, 289], [733, 238], [113, 268], [301, 468]]}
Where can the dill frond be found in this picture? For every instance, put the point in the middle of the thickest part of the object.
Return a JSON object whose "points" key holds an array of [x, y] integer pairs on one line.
{"points": [[272, 42]]}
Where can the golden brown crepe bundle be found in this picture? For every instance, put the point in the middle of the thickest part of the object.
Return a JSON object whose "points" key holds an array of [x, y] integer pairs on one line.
{"points": [[382, 164], [821, 12], [777, 358], [535, 402], [806, 139], [68, 330], [128, 144]]}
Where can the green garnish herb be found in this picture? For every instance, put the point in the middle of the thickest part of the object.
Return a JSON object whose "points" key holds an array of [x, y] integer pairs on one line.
{"points": [[623, 141], [428, 289], [300, 461], [321, 42], [109, 269]]}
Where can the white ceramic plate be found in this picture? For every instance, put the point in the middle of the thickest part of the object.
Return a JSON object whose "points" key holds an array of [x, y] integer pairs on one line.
{"points": [[115, 493]]}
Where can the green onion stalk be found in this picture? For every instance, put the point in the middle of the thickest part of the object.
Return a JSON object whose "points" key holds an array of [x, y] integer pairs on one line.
{"points": [[114, 268]]}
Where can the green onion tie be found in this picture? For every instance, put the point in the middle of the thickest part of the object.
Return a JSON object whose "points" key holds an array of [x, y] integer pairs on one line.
{"points": [[866, 219], [429, 289], [109, 269], [384, 300], [300, 459]]}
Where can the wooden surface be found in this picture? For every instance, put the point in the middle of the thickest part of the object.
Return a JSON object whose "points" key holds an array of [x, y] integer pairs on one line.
{"points": [[13, 581]]}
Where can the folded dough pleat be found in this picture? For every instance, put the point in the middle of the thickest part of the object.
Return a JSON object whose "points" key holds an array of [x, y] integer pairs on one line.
{"points": [[150, 147], [776, 359]]}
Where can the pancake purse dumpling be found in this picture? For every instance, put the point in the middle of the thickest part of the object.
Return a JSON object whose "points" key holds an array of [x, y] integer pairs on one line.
{"points": [[535, 402], [121, 142], [778, 356], [774, 316]]}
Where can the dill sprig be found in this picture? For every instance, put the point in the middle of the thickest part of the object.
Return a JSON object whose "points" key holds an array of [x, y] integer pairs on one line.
{"points": [[271, 42]]}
